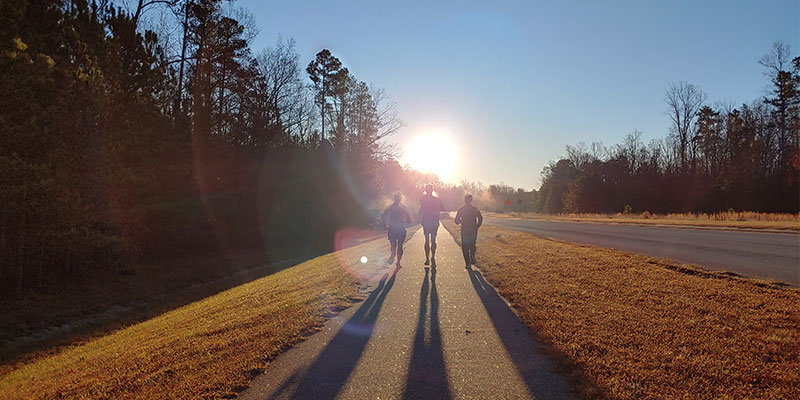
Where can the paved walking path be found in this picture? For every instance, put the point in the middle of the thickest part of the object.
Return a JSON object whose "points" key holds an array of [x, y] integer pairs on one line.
{"points": [[421, 334]]}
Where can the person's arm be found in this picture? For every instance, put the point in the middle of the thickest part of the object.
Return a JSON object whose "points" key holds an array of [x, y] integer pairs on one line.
{"points": [[480, 218], [406, 217], [383, 219], [458, 218]]}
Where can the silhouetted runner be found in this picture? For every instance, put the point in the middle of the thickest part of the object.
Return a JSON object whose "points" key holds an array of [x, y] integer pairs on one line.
{"points": [[395, 218], [470, 219], [429, 209]]}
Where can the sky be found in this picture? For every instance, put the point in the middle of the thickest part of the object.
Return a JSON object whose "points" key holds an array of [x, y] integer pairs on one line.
{"points": [[512, 83]]}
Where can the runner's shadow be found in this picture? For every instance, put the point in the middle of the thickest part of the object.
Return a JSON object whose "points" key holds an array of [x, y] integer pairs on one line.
{"points": [[325, 378], [533, 367], [427, 378]]}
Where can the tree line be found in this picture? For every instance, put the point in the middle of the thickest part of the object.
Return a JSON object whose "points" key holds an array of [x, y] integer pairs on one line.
{"points": [[121, 145], [716, 157]]}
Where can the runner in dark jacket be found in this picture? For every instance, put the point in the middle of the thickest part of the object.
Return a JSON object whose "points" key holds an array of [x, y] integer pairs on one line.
{"points": [[470, 219]]}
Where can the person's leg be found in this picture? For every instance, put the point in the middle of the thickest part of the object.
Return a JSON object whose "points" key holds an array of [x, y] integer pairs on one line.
{"points": [[472, 253], [393, 246], [474, 244], [433, 243], [427, 246], [400, 241], [465, 252], [468, 244]]}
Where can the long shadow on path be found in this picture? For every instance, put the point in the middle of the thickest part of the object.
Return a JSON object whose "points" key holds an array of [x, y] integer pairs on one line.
{"points": [[426, 378], [535, 369], [325, 378]]}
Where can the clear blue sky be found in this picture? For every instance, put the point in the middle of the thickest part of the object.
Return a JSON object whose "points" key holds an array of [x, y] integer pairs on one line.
{"points": [[514, 82]]}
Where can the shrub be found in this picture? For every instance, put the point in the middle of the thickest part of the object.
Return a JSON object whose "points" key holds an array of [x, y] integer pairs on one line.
{"points": [[628, 209]]}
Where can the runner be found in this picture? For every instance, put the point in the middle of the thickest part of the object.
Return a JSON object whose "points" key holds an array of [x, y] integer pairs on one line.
{"points": [[395, 219], [470, 219], [429, 209]]}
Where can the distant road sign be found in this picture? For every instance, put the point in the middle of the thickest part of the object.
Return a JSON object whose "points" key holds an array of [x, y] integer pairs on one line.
{"points": [[508, 202]]}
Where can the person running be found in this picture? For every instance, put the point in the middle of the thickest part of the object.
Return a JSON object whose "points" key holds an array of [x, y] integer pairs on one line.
{"points": [[429, 209], [470, 219], [395, 218]]}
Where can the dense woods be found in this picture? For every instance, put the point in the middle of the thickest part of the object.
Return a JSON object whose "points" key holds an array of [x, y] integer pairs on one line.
{"points": [[120, 145]]}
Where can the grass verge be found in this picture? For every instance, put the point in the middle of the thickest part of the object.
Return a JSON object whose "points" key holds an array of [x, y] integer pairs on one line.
{"points": [[723, 220], [207, 349], [636, 327]]}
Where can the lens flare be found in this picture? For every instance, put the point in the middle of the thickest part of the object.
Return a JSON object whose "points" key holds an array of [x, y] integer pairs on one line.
{"points": [[355, 264]]}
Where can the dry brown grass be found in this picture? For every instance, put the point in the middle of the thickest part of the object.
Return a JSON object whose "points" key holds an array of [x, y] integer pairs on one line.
{"points": [[636, 327], [728, 219], [207, 349]]}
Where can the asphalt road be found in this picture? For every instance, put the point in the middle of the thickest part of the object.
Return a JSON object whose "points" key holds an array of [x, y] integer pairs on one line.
{"points": [[756, 254], [421, 334]]}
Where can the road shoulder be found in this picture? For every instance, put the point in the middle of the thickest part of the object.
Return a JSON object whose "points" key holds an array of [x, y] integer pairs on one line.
{"points": [[793, 229]]}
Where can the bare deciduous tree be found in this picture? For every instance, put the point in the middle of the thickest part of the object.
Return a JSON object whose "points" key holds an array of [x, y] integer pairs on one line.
{"points": [[388, 120], [578, 154], [280, 69], [777, 60], [683, 103], [143, 5], [632, 150]]}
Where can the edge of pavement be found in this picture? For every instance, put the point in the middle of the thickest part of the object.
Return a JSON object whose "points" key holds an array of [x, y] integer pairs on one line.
{"points": [[643, 224]]}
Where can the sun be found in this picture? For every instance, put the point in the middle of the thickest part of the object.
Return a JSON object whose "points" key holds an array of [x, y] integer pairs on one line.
{"points": [[432, 153]]}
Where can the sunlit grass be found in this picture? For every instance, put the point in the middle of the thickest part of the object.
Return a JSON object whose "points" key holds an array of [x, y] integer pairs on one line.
{"points": [[207, 349], [633, 327], [727, 219]]}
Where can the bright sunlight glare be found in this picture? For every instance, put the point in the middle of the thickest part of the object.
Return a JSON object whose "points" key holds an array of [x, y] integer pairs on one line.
{"points": [[433, 153]]}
